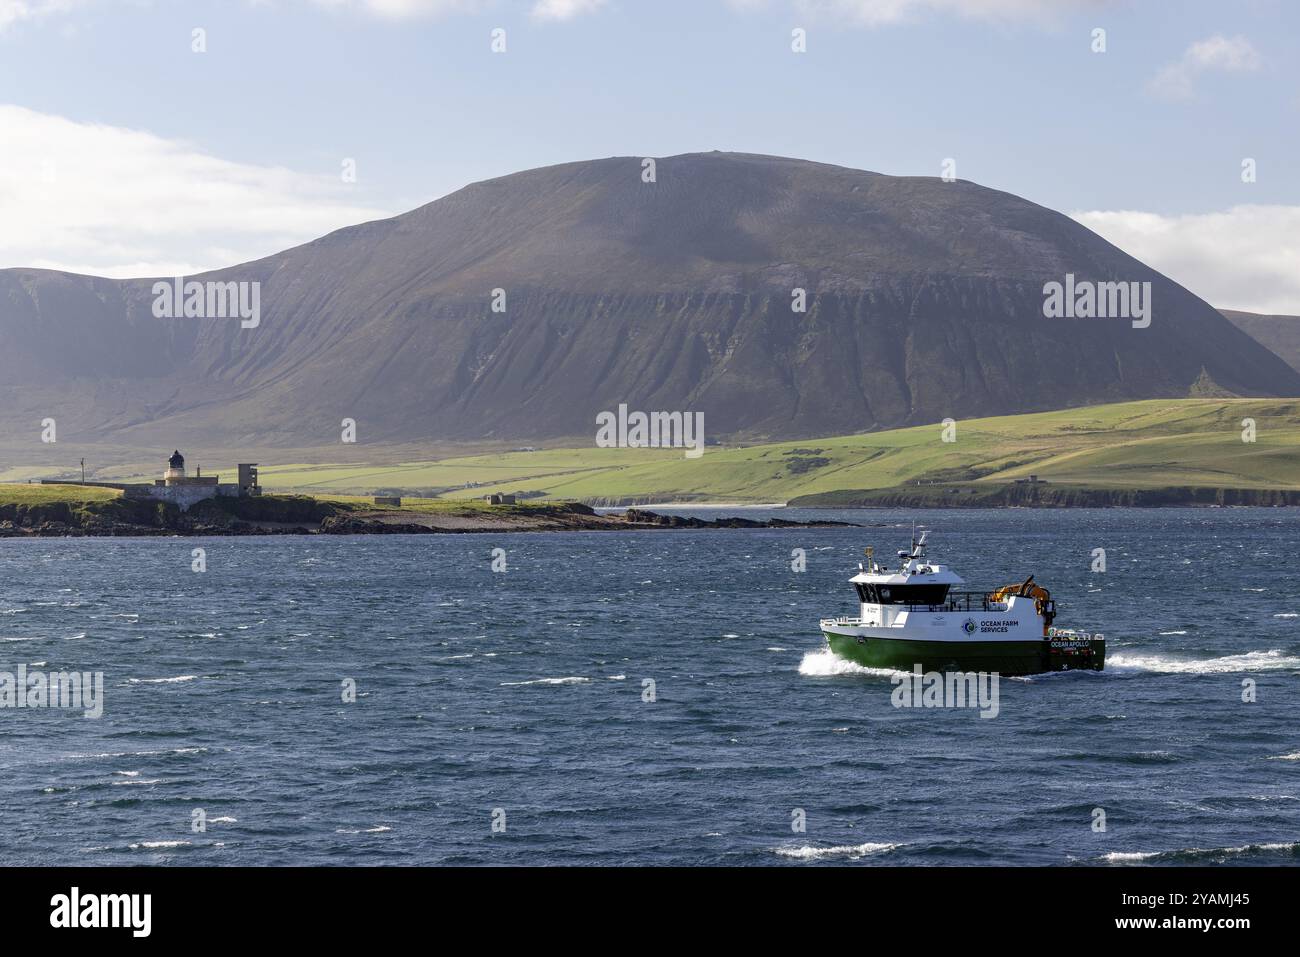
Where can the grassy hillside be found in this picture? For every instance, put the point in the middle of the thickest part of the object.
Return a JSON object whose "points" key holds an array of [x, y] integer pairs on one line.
{"points": [[1151, 444], [75, 495]]}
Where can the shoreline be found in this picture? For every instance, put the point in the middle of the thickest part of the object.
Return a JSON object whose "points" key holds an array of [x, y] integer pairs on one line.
{"points": [[75, 511], [302, 515], [959, 495], [608, 509]]}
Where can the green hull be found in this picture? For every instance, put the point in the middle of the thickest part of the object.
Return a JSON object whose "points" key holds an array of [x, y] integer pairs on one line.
{"points": [[1003, 657]]}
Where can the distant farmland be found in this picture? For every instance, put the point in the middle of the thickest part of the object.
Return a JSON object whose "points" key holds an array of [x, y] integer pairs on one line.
{"points": [[1150, 444]]}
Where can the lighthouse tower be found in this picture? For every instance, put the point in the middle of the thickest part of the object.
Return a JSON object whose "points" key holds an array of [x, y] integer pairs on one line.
{"points": [[175, 468]]}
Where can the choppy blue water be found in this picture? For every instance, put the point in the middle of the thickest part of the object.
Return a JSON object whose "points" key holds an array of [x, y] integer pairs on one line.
{"points": [[522, 691]]}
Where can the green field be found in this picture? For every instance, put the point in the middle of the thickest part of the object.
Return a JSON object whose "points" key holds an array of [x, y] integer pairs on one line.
{"points": [[1151, 444], [1148, 444], [1141, 445], [24, 494], [506, 471]]}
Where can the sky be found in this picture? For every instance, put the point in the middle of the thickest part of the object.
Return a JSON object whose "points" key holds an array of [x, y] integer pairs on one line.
{"points": [[164, 137]]}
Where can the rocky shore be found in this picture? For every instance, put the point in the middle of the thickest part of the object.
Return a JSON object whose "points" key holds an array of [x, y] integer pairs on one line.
{"points": [[303, 515]]}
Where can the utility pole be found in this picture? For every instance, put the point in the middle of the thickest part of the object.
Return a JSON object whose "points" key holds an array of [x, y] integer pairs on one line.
{"points": [[83, 471]]}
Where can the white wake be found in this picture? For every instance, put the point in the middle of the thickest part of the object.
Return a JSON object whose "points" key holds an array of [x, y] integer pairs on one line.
{"points": [[824, 663], [1251, 661]]}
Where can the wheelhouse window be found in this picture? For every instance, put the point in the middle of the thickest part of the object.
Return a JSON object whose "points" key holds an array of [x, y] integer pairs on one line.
{"points": [[902, 594]]}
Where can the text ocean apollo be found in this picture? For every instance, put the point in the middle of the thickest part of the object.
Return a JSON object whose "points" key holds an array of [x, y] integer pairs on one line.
{"points": [[912, 616]]}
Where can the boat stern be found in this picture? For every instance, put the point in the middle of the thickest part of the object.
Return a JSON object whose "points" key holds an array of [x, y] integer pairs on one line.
{"points": [[1069, 650]]}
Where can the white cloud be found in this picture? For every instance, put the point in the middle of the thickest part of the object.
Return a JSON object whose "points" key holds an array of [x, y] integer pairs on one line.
{"points": [[14, 11], [564, 9], [400, 9], [118, 202], [866, 12], [408, 9], [1246, 257], [1217, 53], [874, 13]]}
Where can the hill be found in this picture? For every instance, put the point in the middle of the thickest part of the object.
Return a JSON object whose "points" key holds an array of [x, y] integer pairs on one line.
{"points": [[924, 301], [1279, 334]]}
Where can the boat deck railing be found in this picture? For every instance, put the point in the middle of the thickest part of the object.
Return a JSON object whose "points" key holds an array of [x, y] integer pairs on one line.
{"points": [[963, 601], [1074, 634], [955, 602]]}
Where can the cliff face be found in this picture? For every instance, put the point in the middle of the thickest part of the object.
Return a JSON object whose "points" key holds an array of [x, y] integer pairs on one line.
{"points": [[924, 300]]}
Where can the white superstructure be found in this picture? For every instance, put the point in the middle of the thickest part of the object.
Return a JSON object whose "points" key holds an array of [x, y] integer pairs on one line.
{"points": [[916, 601]]}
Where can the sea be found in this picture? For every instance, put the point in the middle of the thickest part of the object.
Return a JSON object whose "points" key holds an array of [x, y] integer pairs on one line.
{"points": [[647, 698]]}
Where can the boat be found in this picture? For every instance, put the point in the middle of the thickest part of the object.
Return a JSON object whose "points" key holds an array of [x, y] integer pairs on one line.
{"points": [[915, 615]]}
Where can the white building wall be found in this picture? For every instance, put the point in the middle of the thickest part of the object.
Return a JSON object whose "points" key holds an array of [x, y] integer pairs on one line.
{"points": [[182, 496]]}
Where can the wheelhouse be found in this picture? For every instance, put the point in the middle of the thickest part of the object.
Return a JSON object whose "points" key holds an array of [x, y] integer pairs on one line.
{"points": [[916, 581], [872, 593]]}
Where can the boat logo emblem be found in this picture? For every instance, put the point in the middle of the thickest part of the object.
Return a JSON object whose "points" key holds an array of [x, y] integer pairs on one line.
{"points": [[969, 626]]}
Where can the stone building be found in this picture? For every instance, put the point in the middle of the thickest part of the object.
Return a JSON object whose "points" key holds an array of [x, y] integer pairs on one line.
{"points": [[183, 490], [180, 488]]}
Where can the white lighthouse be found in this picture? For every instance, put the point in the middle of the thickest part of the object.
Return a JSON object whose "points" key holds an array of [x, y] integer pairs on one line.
{"points": [[175, 468]]}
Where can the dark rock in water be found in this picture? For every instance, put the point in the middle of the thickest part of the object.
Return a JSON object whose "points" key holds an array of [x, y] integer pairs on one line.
{"points": [[640, 517], [924, 300]]}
